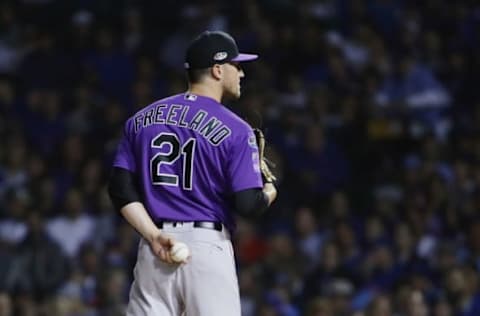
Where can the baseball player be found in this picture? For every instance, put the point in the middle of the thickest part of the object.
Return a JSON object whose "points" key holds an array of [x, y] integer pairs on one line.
{"points": [[185, 165]]}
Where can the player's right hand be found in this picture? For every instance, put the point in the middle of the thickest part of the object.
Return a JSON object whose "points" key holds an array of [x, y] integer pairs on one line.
{"points": [[161, 245]]}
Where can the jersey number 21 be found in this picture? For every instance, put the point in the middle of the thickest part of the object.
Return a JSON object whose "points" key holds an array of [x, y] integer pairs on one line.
{"points": [[187, 150]]}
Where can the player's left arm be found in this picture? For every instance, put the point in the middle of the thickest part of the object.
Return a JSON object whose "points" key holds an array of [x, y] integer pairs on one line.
{"points": [[251, 195]]}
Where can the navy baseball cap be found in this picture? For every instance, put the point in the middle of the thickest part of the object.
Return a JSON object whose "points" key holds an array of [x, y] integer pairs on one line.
{"points": [[214, 47]]}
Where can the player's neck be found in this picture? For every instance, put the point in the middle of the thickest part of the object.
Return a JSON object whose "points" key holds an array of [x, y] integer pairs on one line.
{"points": [[206, 90]]}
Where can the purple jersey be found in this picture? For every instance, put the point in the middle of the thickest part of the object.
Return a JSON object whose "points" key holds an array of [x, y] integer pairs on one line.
{"points": [[190, 154]]}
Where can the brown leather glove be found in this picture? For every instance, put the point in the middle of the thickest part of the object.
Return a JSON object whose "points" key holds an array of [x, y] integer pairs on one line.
{"points": [[265, 165]]}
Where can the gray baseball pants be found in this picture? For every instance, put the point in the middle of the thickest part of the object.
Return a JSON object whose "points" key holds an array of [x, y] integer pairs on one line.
{"points": [[206, 286]]}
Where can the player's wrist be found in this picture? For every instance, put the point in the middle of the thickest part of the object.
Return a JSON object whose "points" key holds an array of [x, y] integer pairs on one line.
{"points": [[153, 235]]}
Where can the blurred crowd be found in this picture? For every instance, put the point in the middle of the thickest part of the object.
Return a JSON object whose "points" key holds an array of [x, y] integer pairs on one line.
{"points": [[371, 111]]}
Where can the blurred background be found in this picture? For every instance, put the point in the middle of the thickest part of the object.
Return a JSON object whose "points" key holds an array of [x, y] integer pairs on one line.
{"points": [[371, 110]]}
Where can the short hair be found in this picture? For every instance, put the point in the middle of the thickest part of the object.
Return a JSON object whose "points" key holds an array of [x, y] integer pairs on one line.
{"points": [[196, 75]]}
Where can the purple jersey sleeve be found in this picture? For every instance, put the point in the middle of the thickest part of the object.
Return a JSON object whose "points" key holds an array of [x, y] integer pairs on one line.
{"points": [[124, 157], [243, 167]]}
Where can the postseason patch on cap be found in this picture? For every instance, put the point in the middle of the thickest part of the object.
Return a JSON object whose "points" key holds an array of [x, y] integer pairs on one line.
{"points": [[220, 56]]}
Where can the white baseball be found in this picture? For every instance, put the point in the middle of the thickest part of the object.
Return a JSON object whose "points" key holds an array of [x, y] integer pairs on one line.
{"points": [[179, 252]]}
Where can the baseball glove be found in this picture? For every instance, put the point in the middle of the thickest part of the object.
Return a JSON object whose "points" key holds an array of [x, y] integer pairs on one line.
{"points": [[265, 164]]}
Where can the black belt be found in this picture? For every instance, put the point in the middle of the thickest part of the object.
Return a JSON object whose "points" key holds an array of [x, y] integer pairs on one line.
{"points": [[198, 224]]}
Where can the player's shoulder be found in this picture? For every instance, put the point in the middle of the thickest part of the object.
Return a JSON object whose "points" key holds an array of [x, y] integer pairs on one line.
{"points": [[235, 121]]}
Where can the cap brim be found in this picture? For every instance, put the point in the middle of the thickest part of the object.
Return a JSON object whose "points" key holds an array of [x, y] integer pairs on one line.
{"points": [[245, 57]]}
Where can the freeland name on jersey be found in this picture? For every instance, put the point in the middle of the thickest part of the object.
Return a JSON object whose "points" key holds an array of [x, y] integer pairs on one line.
{"points": [[211, 128]]}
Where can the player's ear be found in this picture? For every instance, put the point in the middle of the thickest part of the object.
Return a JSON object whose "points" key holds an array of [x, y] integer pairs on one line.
{"points": [[217, 71]]}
